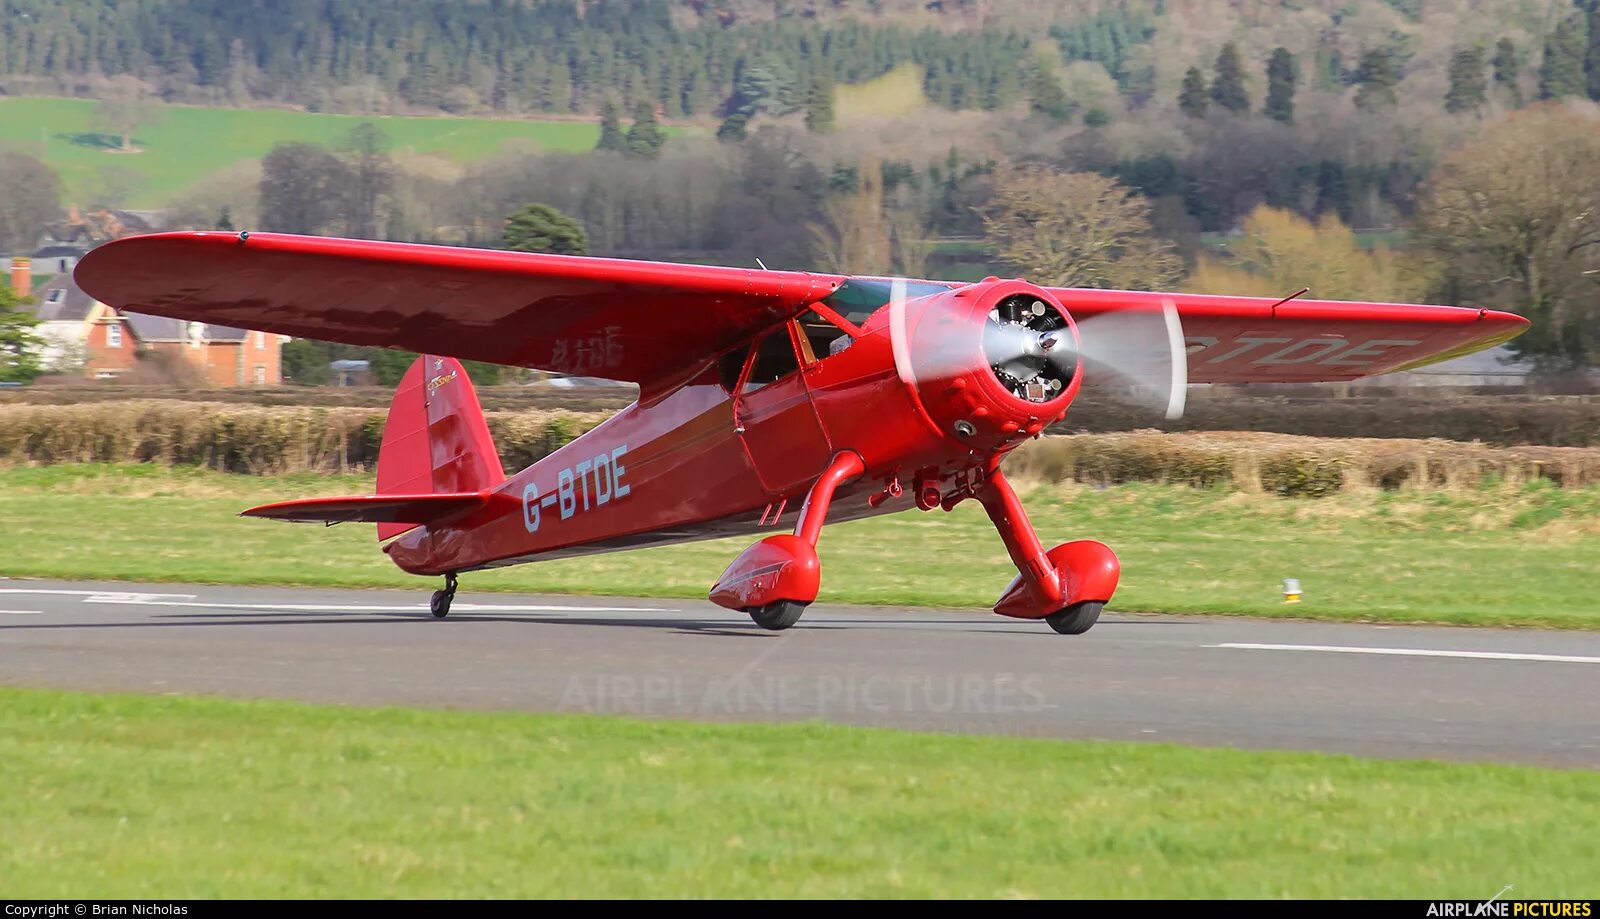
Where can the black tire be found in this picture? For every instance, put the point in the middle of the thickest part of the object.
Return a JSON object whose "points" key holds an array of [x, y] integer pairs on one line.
{"points": [[439, 605], [777, 616], [1077, 618]]}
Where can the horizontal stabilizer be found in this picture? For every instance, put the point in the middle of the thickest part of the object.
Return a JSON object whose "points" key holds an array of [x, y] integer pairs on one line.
{"points": [[413, 509]]}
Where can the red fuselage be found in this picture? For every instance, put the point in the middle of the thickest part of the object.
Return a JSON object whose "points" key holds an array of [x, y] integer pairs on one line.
{"points": [[713, 458]]}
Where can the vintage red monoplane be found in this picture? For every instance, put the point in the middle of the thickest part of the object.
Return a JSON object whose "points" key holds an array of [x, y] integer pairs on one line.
{"points": [[768, 399]]}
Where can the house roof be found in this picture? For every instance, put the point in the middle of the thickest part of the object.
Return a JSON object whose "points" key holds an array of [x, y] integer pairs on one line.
{"points": [[72, 306], [60, 252]]}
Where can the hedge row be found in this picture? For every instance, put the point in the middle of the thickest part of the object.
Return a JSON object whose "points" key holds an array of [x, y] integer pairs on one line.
{"points": [[248, 439], [1563, 421], [276, 440], [1295, 466]]}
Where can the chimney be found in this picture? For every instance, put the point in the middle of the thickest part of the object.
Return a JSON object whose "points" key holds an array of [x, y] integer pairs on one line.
{"points": [[22, 275], [73, 216]]}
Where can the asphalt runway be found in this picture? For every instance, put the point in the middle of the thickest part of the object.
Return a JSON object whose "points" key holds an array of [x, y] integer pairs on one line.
{"points": [[1393, 691]]}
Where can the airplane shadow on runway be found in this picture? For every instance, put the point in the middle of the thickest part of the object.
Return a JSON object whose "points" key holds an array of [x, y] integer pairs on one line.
{"points": [[705, 627]]}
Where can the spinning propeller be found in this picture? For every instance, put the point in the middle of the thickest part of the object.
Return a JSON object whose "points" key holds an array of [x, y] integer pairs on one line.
{"points": [[1033, 351]]}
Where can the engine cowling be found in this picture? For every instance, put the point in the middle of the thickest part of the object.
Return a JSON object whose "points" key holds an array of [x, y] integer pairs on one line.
{"points": [[992, 363]]}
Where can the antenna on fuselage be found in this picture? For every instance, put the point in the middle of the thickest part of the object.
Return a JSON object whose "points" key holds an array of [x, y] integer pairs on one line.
{"points": [[762, 264]]}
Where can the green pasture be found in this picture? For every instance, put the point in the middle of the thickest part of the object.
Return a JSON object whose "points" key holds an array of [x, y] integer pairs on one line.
{"points": [[170, 797], [185, 143], [1518, 555]]}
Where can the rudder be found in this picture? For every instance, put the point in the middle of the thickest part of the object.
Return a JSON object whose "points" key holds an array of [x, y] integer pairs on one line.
{"points": [[435, 439]]}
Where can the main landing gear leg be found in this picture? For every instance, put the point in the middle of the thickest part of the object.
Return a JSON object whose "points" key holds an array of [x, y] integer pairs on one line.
{"points": [[1067, 586], [777, 578], [440, 604]]}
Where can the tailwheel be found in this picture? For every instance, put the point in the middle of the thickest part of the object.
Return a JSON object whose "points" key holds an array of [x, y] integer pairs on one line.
{"points": [[1077, 618], [777, 616], [439, 604]]}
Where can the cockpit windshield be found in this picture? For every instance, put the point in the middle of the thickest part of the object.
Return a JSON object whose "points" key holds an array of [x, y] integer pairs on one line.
{"points": [[858, 298]]}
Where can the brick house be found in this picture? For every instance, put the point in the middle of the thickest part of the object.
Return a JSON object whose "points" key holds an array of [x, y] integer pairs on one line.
{"points": [[107, 343]]}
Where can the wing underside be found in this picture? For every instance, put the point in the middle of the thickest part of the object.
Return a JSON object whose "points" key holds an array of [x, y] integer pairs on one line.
{"points": [[643, 322]]}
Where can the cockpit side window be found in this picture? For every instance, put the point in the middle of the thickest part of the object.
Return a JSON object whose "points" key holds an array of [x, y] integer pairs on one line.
{"points": [[822, 335], [775, 359], [730, 365]]}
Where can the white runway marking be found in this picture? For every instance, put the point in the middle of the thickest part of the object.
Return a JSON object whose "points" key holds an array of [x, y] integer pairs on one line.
{"points": [[19, 612], [372, 608], [1418, 652], [98, 596]]}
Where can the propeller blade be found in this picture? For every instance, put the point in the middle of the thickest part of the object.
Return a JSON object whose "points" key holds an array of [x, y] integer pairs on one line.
{"points": [[1140, 349]]}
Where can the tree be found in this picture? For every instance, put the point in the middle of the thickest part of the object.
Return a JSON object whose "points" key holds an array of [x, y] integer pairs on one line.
{"points": [[20, 345], [645, 137], [1280, 252], [1076, 229], [1469, 90], [372, 180], [1282, 74], [1506, 67], [303, 189], [1227, 86], [542, 228], [306, 361], [1045, 94], [1514, 221], [1192, 100], [854, 235], [610, 128], [30, 197], [819, 106], [1377, 76], [1561, 74], [732, 129], [127, 104]]}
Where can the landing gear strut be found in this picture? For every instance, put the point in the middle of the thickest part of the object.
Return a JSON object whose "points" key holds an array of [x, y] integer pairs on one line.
{"points": [[777, 578], [439, 605]]}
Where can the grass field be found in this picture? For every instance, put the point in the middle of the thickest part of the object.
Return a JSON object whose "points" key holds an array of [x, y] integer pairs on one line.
{"points": [[112, 796], [1495, 555], [185, 143]]}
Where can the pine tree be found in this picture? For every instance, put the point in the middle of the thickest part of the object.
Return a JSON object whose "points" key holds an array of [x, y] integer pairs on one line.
{"points": [[645, 137], [1562, 74], [819, 106], [610, 128], [1192, 98], [1506, 67], [1468, 87], [1282, 74], [1227, 87], [732, 129], [1377, 76], [1045, 95]]}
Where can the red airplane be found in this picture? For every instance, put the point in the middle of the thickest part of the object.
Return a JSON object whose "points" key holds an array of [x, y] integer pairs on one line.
{"points": [[768, 399]]}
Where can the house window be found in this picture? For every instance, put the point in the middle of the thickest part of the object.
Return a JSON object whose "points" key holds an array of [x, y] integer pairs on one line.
{"points": [[261, 341], [261, 374], [114, 335]]}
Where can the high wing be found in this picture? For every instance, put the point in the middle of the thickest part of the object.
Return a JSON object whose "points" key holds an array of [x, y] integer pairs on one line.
{"points": [[1259, 340], [646, 322]]}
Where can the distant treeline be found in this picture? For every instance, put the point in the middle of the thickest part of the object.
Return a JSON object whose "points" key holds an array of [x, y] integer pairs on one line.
{"points": [[504, 55]]}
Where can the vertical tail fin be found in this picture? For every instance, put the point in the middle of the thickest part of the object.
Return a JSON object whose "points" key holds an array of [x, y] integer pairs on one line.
{"points": [[436, 439]]}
